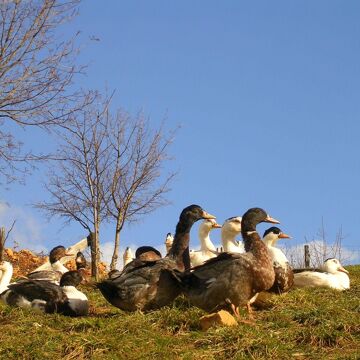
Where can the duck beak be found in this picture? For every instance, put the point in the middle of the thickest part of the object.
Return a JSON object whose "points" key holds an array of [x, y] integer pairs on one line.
{"points": [[269, 219], [343, 270], [216, 226], [206, 215], [284, 236]]}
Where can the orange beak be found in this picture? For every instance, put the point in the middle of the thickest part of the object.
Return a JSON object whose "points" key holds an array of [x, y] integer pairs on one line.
{"points": [[269, 219], [343, 270], [284, 236], [206, 215], [216, 226]]}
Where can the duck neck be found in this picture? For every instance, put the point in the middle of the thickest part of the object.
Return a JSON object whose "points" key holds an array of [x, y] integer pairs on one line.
{"points": [[252, 241], [5, 278], [58, 266], [168, 247], [73, 293], [228, 240], [268, 241], [206, 243], [179, 250]]}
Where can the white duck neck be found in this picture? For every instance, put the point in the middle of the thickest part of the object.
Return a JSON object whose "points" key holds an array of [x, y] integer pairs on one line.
{"points": [[229, 242], [127, 260], [204, 236], [58, 266], [269, 241], [5, 278]]}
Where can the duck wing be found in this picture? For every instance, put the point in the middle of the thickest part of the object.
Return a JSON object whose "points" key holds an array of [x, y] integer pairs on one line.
{"points": [[300, 270], [143, 285], [205, 274], [47, 275], [220, 281], [312, 279], [284, 279], [39, 290]]}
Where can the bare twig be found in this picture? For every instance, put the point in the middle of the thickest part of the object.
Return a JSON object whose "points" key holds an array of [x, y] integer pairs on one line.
{"points": [[36, 71], [11, 228], [2, 243]]}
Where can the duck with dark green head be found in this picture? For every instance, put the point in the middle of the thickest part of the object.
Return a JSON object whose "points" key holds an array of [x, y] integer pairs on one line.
{"points": [[147, 285], [230, 278]]}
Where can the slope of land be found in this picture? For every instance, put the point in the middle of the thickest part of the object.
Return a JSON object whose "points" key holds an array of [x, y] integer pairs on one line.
{"points": [[303, 324]]}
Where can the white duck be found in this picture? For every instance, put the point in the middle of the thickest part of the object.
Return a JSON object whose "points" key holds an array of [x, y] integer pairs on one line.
{"points": [[331, 275], [128, 256], [168, 242], [230, 229], [207, 249], [6, 272]]}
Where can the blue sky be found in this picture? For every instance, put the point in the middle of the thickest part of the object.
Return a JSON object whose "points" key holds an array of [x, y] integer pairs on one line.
{"points": [[267, 97]]}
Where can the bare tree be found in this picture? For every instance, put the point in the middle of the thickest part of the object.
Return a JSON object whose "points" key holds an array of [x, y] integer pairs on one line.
{"points": [[136, 181], [76, 184], [36, 69], [320, 249], [110, 168]]}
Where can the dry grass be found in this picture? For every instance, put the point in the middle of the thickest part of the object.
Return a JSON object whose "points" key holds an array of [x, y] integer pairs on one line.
{"points": [[303, 324]]}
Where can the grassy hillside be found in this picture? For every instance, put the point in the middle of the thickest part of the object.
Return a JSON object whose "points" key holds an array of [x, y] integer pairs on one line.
{"points": [[303, 324]]}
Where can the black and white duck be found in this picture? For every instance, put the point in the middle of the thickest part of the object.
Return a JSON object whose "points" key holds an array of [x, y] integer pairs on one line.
{"points": [[81, 267], [332, 275], [284, 277], [44, 296], [230, 278], [71, 252], [80, 261], [148, 285], [57, 268]]}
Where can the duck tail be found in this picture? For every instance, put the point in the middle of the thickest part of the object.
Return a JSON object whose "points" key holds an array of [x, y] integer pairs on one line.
{"points": [[188, 280], [107, 288]]}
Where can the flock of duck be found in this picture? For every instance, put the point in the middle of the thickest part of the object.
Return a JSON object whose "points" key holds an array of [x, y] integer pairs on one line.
{"points": [[211, 280]]}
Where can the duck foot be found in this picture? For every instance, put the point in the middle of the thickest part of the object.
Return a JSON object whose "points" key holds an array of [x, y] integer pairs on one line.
{"points": [[250, 312], [238, 317]]}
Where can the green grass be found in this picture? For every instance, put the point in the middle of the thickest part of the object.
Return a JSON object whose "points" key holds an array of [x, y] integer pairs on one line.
{"points": [[303, 324]]}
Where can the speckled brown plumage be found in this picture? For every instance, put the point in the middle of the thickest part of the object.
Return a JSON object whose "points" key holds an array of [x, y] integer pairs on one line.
{"points": [[284, 279], [233, 278]]}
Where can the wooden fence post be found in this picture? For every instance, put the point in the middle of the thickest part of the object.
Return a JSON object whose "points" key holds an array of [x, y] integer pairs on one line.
{"points": [[307, 256], [2, 243]]}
